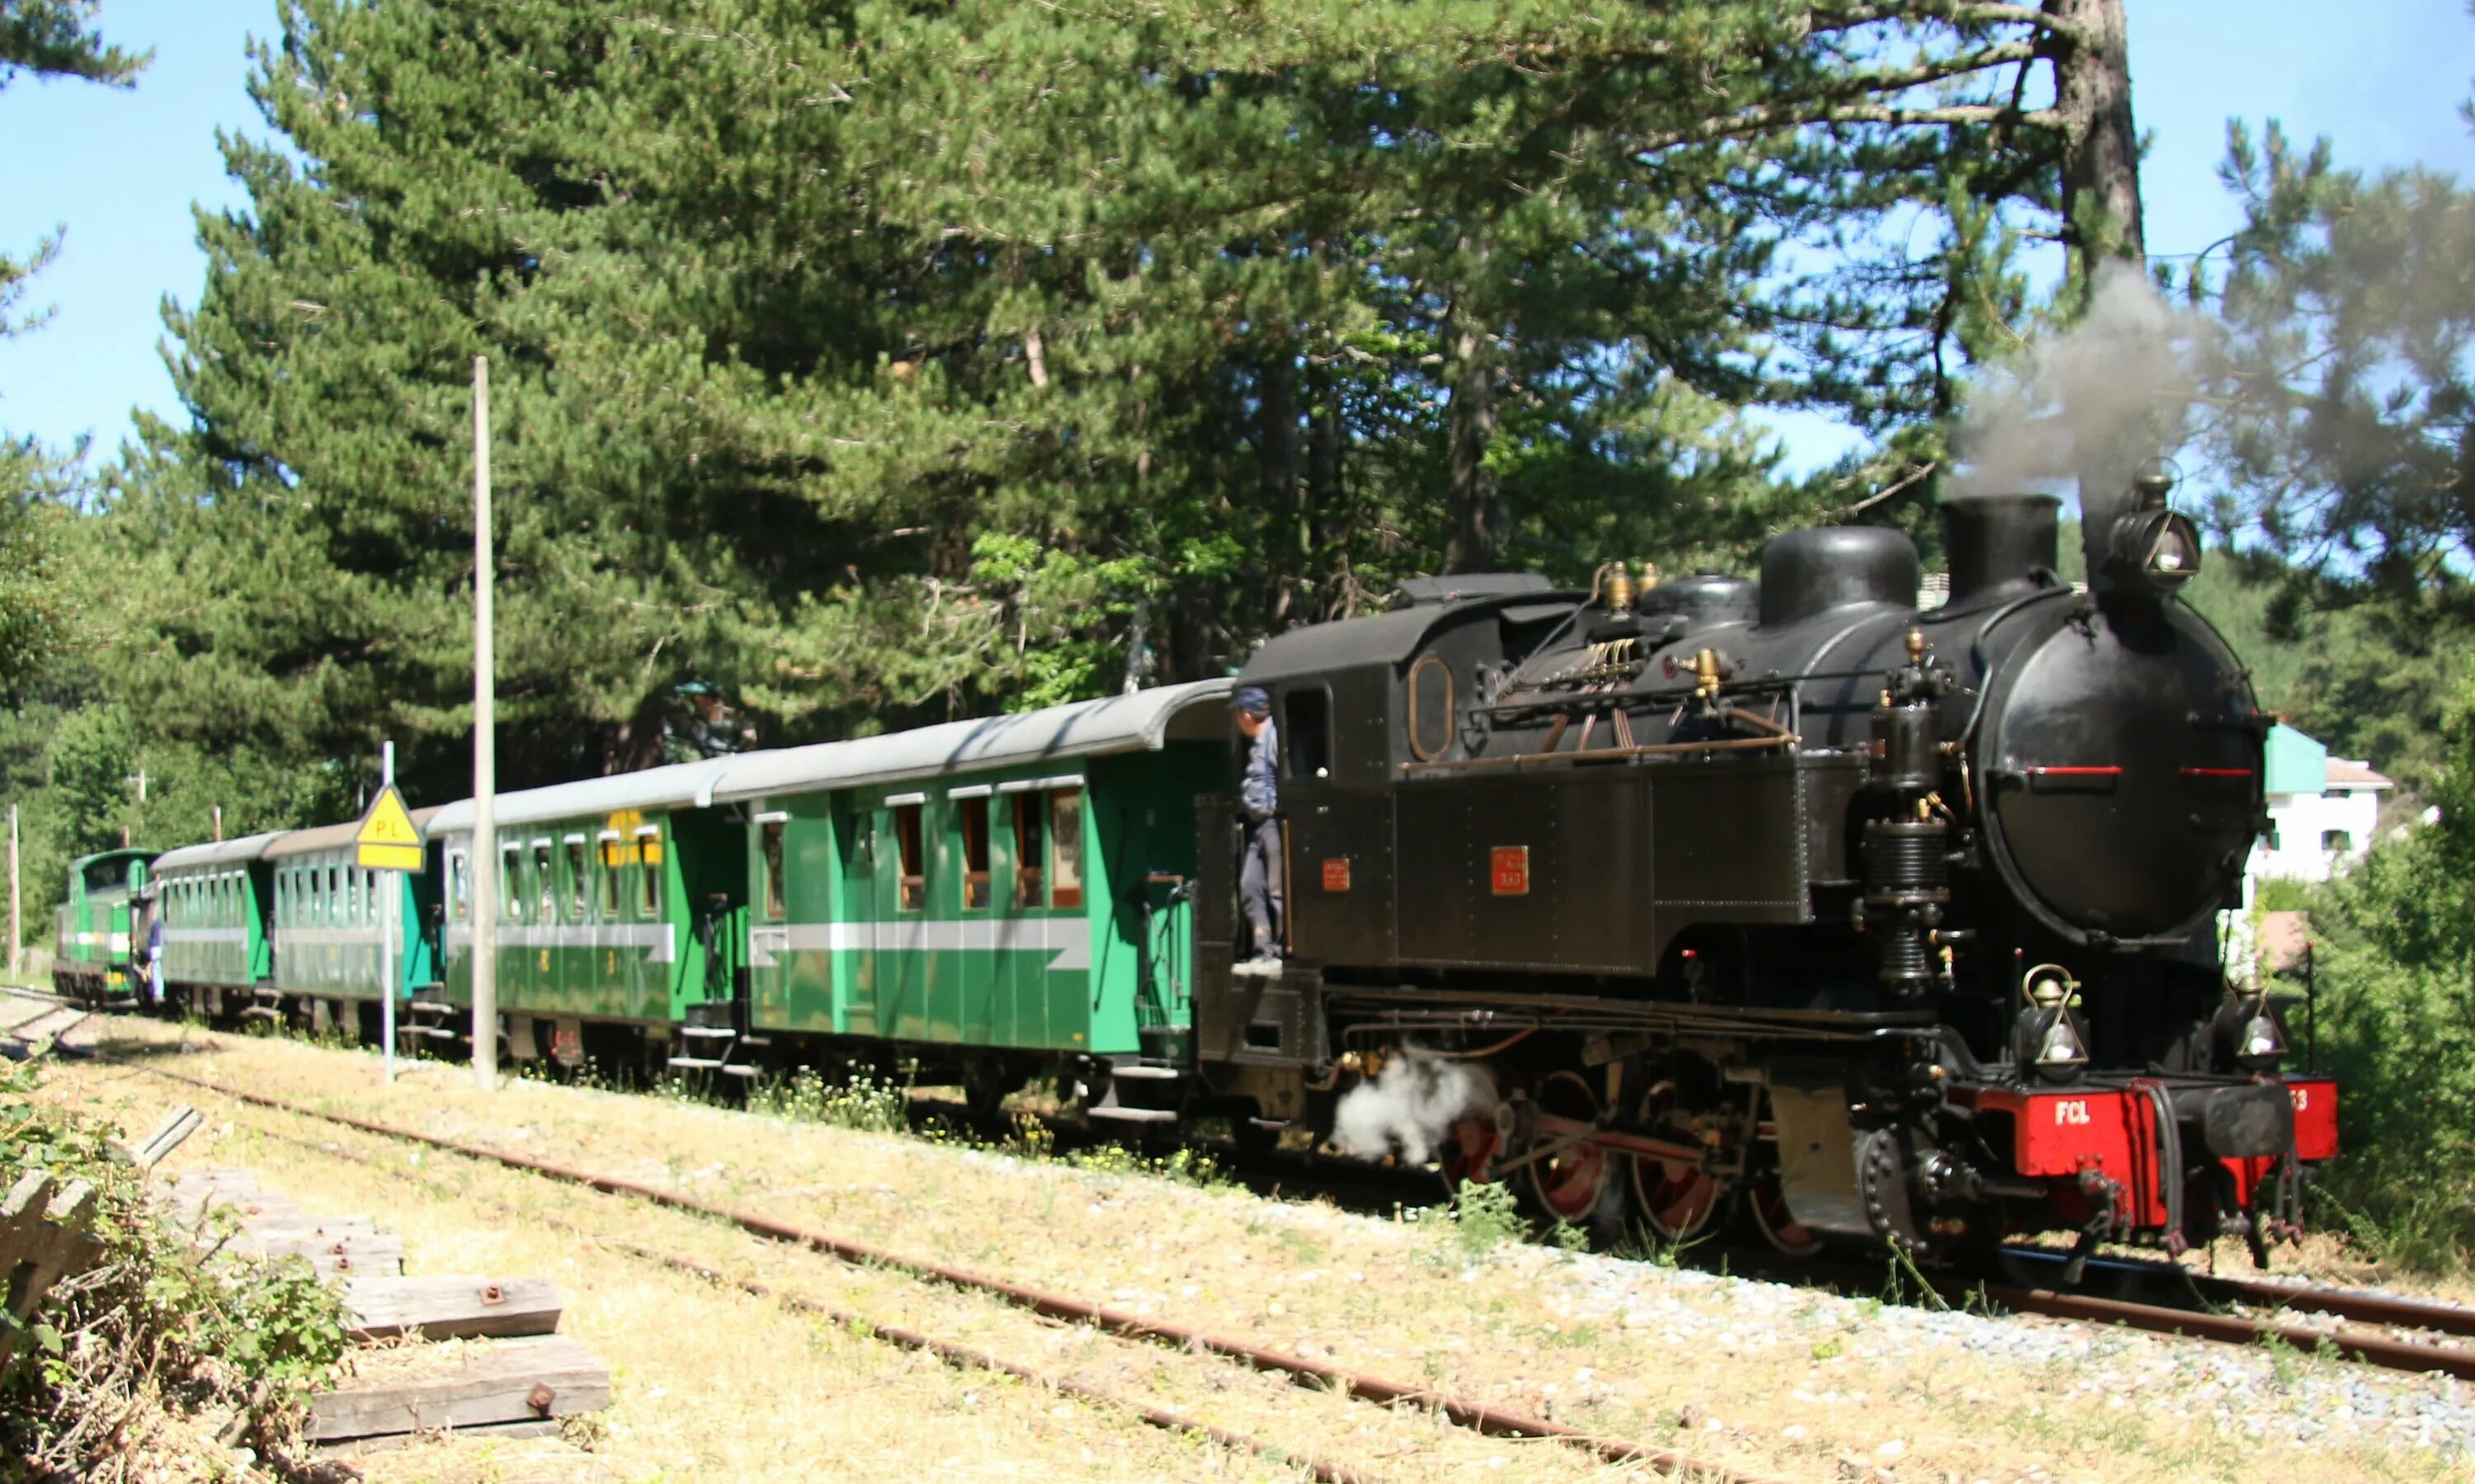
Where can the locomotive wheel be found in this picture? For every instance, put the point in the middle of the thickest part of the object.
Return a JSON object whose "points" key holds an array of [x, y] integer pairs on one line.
{"points": [[1767, 1204], [1676, 1198], [1570, 1183], [1468, 1157]]}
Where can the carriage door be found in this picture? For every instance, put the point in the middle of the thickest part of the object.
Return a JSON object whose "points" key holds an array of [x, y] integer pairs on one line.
{"points": [[768, 931]]}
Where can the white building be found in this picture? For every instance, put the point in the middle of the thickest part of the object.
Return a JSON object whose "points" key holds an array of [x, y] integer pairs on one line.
{"points": [[2321, 811]]}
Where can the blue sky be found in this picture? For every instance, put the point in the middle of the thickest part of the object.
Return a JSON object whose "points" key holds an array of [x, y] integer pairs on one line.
{"points": [[120, 170]]}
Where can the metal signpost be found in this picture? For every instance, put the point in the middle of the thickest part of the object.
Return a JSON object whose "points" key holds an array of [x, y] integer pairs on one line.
{"points": [[388, 841]]}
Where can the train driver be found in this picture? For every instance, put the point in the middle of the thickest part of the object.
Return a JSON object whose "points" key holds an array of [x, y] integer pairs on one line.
{"points": [[1259, 884]]}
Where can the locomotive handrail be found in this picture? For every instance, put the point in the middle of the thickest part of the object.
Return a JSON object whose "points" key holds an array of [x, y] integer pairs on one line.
{"points": [[1607, 754]]}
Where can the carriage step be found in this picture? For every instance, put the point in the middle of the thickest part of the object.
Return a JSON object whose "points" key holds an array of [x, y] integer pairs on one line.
{"points": [[262, 1012], [437, 1032], [696, 1063], [756, 1040], [738, 1069], [1132, 1114], [1145, 1074], [707, 1032]]}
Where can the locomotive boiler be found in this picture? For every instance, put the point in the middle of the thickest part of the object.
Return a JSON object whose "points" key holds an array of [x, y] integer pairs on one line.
{"points": [[1889, 925]]}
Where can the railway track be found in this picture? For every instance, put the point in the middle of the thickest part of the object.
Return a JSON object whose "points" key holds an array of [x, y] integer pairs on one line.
{"points": [[1476, 1417], [2377, 1331]]}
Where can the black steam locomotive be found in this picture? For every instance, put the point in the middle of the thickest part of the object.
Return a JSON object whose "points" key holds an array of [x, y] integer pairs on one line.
{"points": [[1885, 924]]}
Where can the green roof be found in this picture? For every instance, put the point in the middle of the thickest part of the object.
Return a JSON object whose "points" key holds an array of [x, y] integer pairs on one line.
{"points": [[2296, 764]]}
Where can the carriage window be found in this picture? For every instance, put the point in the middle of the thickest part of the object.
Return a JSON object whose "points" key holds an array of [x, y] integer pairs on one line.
{"points": [[459, 886], [336, 895], [576, 884], [975, 852], [1030, 851], [511, 896], [649, 874], [1306, 731], [914, 862], [545, 888], [770, 837], [1066, 848], [1430, 709], [613, 855]]}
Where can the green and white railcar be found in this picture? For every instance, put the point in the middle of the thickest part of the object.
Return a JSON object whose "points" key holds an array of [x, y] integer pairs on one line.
{"points": [[94, 931], [1003, 896], [213, 899], [329, 916], [618, 903]]}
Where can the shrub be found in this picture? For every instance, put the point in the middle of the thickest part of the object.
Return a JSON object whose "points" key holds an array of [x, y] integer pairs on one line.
{"points": [[2394, 961], [129, 1358]]}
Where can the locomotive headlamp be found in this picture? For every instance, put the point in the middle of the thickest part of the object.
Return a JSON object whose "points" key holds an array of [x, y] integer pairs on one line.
{"points": [[2061, 1046], [2262, 1039], [2158, 549]]}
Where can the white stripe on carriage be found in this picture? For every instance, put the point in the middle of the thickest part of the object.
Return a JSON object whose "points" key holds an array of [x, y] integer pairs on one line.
{"points": [[660, 938], [323, 938], [1067, 939]]}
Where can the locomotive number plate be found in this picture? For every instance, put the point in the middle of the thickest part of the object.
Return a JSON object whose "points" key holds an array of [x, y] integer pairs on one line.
{"points": [[1508, 871], [1336, 874]]}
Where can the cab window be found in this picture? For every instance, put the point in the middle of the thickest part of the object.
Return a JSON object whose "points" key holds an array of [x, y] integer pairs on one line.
{"points": [[1306, 732]]}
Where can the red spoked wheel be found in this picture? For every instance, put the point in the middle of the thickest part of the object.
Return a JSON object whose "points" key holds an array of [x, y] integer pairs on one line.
{"points": [[1468, 1156], [1767, 1203], [1676, 1197], [1569, 1182]]}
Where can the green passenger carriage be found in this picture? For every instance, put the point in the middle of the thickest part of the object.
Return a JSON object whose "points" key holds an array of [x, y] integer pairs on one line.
{"points": [[212, 900], [618, 905], [94, 930], [994, 897], [328, 915]]}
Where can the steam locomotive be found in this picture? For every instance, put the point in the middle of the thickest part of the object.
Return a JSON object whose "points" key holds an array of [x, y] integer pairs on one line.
{"points": [[1889, 925]]}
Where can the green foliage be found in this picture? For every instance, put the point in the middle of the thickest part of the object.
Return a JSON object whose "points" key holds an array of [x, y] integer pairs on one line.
{"points": [[1484, 1215], [59, 38], [861, 1102], [883, 365], [2395, 951], [158, 1335]]}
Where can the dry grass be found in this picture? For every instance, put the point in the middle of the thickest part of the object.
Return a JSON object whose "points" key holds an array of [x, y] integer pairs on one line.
{"points": [[712, 1384], [1796, 1385]]}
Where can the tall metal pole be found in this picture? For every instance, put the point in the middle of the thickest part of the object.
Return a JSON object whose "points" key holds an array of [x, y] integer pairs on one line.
{"points": [[482, 911], [386, 931], [16, 932]]}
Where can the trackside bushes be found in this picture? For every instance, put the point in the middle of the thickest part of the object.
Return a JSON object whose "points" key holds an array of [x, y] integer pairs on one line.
{"points": [[2396, 952], [127, 1369]]}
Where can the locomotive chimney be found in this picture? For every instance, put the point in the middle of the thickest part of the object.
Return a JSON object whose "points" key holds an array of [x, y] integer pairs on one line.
{"points": [[1996, 542]]}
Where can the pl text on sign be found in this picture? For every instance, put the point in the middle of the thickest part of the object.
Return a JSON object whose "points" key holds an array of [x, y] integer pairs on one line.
{"points": [[387, 840]]}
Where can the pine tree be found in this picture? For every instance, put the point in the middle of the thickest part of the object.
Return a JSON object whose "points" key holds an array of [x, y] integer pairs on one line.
{"points": [[858, 365]]}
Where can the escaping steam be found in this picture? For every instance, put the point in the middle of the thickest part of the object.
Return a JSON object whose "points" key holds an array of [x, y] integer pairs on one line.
{"points": [[1412, 1107], [2098, 399]]}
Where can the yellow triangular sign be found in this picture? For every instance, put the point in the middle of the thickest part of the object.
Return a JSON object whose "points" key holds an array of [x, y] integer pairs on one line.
{"points": [[387, 840]]}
